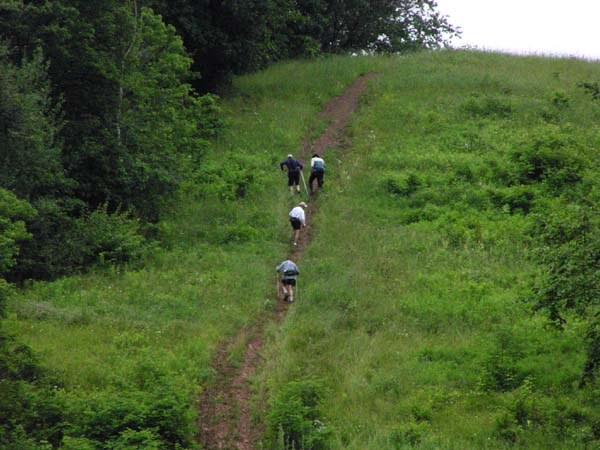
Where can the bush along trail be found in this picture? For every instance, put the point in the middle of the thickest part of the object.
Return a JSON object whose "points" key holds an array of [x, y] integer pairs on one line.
{"points": [[224, 420]]}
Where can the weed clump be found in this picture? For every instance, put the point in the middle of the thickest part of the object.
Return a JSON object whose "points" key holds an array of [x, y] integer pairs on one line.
{"points": [[296, 421]]}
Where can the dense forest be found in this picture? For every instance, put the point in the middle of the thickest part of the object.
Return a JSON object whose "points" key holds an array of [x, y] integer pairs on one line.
{"points": [[108, 108]]}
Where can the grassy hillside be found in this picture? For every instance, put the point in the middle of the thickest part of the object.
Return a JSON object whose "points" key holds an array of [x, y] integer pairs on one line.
{"points": [[134, 348], [415, 326], [415, 323]]}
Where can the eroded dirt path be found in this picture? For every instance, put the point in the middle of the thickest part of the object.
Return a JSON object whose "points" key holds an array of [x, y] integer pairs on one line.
{"points": [[224, 420]]}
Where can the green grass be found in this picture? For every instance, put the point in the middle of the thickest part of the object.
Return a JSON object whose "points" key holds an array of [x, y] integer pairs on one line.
{"points": [[413, 323], [413, 311]]}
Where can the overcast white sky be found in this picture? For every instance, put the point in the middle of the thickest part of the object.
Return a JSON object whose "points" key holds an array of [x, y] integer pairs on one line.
{"points": [[549, 27]]}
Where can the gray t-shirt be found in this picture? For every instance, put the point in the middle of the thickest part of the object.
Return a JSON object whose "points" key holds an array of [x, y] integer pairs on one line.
{"points": [[288, 269]]}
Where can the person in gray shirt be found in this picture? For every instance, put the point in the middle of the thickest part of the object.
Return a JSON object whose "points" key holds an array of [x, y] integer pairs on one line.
{"points": [[289, 272]]}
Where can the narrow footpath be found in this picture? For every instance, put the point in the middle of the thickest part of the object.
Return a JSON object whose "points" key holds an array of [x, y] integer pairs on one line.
{"points": [[224, 415]]}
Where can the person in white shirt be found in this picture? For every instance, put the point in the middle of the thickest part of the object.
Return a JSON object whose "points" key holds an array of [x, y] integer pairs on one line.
{"points": [[298, 220], [317, 170]]}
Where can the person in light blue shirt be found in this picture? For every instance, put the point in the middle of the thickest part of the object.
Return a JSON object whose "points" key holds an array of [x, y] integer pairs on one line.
{"points": [[317, 171]]}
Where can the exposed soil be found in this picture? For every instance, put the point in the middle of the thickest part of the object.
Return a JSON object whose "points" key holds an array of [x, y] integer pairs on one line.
{"points": [[224, 420]]}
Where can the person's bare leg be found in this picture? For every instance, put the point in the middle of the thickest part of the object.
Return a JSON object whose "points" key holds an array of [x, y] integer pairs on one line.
{"points": [[296, 236]]}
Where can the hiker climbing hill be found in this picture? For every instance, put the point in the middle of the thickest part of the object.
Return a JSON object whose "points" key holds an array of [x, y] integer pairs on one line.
{"points": [[298, 220], [294, 169], [317, 171], [289, 272]]}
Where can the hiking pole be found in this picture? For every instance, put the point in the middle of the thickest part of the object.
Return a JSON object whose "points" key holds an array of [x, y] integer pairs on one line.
{"points": [[304, 182], [277, 285]]}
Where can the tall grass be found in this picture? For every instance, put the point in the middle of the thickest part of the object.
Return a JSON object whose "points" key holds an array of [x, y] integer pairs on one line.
{"points": [[414, 316]]}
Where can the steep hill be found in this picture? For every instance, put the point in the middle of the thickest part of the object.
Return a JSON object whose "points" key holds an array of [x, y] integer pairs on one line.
{"points": [[447, 297]]}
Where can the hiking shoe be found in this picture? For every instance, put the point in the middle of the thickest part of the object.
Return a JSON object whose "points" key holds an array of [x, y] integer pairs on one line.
{"points": [[295, 244], [291, 299]]}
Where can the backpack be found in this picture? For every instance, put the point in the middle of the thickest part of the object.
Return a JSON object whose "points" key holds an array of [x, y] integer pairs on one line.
{"points": [[318, 165], [290, 272]]}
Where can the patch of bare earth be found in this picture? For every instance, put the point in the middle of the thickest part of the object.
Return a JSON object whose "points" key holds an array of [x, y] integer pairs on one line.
{"points": [[224, 420]]}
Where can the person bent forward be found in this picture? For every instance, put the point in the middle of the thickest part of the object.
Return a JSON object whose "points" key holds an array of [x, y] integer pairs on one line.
{"points": [[293, 167], [298, 220], [289, 271]]}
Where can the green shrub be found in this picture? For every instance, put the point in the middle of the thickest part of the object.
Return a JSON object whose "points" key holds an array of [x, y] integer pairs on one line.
{"points": [[30, 410], [234, 179], [403, 184], [109, 238], [295, 419], [66, 239], [514, 199], [500, 368], [408, 435], [488, 106], [237, 233], [159, 417], [549, 157], [13, 213]]}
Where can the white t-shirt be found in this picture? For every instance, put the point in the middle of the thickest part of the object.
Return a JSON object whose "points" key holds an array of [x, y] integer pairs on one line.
{"points": [[298, 213], [314, 159]]}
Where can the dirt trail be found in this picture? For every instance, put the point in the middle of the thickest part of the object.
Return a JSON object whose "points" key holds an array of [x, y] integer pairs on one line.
{"points": [[224, 418]]}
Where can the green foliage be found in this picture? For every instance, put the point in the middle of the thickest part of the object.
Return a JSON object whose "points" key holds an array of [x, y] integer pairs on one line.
{"points": [[127, 419], [295, 418], [64, 244], [403, 184], [30, 155], [500, 370], [13, 213], [568, 251], [549, 158], [514, 199], [591, 87], [30, 410], [408, 436], [488, 106]]}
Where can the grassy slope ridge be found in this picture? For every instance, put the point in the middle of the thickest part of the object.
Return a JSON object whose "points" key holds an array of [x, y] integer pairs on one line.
{"points": [[411, 321], [149, 334]]}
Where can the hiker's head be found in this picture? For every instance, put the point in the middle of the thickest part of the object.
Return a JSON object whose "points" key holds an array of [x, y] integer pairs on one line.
{"points": [[302, 205], [315, 155], [290, 156]]}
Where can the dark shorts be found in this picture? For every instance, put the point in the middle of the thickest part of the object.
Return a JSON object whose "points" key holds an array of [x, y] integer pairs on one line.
{"points": [[288, 281], [293, 178], [296, 224]]}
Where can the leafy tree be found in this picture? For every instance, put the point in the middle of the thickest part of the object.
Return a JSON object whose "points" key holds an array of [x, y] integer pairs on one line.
{"points": [[382, 25], [157, 114], [13, 213], [30, 155], [568, 253], [233, 36]]}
